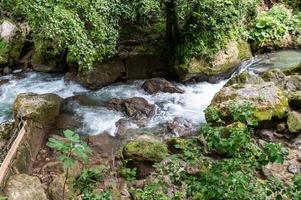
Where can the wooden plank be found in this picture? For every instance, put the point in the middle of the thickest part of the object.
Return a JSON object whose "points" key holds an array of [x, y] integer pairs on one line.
{"points": [[11, 155]]}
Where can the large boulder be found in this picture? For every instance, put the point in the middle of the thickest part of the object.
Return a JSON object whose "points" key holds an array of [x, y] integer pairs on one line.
{"points": [[25, 187], [145, 148], [136, 107], [46, 58], [288, 83], [225, 62], [39, 108], [268, 100], [12, 39], [102, 74], [294, 122], [156, 85]]}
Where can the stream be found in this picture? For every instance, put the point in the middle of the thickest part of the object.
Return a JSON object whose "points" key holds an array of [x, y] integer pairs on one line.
{"points": [[97, 119]]}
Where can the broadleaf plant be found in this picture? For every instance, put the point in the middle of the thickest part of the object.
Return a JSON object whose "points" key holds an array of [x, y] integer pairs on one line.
{"points": [[72, 148]]}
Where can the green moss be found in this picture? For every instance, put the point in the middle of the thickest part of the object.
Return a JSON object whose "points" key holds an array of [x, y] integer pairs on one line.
{"points": [[4, 49], [244, 50], [217, 64], [294, 122], [278, 111], [145, 150]]}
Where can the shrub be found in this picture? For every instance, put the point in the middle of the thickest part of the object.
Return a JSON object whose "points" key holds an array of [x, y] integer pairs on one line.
{"points": [[212, 25]]}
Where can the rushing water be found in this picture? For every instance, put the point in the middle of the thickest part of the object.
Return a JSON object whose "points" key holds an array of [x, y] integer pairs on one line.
{"points": [[189, 106]]}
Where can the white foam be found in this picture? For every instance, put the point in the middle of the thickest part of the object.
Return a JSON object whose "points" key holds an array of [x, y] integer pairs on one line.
{"points": [[190, 105], [33, 82]]}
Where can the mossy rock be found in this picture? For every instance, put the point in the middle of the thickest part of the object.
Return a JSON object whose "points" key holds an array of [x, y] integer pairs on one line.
{"points": [[39, 108], [245, 78], [294, 99], [145, 148], [47, 58], [6, 129], [12, 41], [225, 62], [268, 100], [294, 122]]}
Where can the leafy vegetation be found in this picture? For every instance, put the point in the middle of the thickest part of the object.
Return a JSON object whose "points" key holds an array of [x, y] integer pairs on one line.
{"points": [[212, 25], [193, 174], [71, 149], [275, 25], [3, 51]]}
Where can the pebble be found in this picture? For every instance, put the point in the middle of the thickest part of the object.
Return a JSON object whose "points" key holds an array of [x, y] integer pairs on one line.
{"points": [[294, 169]]}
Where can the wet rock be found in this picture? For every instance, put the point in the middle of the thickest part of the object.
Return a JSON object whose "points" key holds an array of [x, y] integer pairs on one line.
{"points": [[267, 135], [145, 148], [40, 108], [281, 127], [245, 78], [83, 100], [156, 85], [104, 145], [222, 66], [7, 71], [276, 76], [297, 143], [122, 126], [268, 100], [3, 81], [180, 127], [294, 99], [66, 121], [102, 74], [293, 83], [25, 187], [294, 122], [135, 107]]}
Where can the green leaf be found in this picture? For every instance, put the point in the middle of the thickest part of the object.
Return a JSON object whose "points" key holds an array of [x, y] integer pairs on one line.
{"points": [[70, 135]]}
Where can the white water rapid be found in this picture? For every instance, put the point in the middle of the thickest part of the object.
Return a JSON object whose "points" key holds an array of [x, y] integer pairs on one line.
{"points": [[189, 106]]}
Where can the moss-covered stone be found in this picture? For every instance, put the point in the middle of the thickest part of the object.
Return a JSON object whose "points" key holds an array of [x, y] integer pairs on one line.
{"points": [[145, 148], [268, 100], [294, 99], [39, 108], [6, 130], [245, 78], [12, 40], [222, 66], [294, 122]]}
